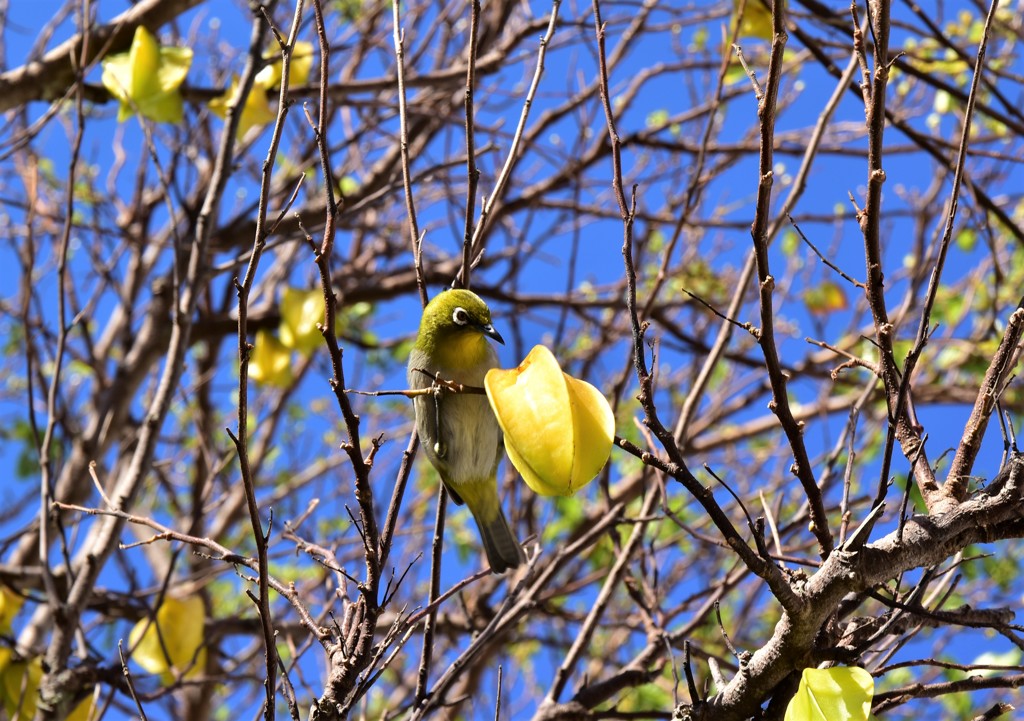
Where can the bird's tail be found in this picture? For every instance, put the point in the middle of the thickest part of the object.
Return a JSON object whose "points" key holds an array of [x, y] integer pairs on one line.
{"points": [[500, 544]]}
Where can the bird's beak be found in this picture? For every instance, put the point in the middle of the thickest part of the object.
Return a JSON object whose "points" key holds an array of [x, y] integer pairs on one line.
{"points": [[488, 330]]}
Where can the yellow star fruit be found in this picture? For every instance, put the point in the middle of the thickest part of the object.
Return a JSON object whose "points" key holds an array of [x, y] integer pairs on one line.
{"points": [[842, 693], [270, 362], [10, 604], [19, 686], [172, 642], [19, 690], [300, 313], [558, 429], [84, 711], [147, 78], [256, 111], [269, 78], [756, 21]]}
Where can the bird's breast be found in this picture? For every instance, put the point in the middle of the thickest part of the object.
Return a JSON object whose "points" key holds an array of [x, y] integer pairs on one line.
{"points": [[469, 437]]}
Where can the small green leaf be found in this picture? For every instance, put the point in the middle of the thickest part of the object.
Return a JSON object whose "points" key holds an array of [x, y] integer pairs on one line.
{"points": [[699, 41], [1009, 658], [789, 243], [348, 185], [967, 239], [735, 74], [657, 118]]}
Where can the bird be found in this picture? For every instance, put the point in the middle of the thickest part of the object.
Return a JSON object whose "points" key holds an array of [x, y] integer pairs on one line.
{"points": [[459, 432]]}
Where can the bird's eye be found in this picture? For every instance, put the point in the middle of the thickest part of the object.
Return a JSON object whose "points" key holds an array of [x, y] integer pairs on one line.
{"points": [[460, 316]]}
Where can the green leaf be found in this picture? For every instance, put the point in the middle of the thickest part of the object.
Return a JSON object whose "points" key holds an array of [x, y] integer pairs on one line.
{"points": [[1010, 658], [657, 118], [832, 694], [789, 242], [348, 185], [826, 298], [734, 74], [967, 239], [699, 41], [351, 10]]}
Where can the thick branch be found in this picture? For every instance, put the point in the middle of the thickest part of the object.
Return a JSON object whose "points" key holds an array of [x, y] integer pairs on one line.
{"points": [[926, 541], [1003, 362]]}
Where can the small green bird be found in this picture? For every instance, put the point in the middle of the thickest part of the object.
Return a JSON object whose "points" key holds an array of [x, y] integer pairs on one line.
{"points": [[459, 432]]}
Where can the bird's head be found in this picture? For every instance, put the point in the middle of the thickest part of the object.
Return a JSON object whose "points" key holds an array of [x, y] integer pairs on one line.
{"points": [[455, 323]]}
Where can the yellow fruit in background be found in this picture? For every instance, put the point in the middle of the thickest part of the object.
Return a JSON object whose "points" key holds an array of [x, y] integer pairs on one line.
{"points": [[19, 687], [757, 19], [19, 690], [301, 311], [10, 604], [147, 78], [270, 362], [269, 78], [172, 642], [256, 111]]}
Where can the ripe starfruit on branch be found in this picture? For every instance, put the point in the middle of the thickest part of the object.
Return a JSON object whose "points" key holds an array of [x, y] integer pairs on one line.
{"points": [[19, 690], [841, 693], [301, 311], [270, 362], [269, 78], [256, 110], [558, 429], [10, 604], [147, 78], [171, 643], [756, 20]]}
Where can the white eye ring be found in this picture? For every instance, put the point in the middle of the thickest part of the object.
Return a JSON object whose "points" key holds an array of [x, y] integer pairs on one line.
{"points": [[460, 316]]}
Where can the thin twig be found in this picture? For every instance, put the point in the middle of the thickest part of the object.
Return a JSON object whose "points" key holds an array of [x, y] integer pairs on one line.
{"points": [[241, 439], [129, 682], [513, 150], [821, 256], [472, 172], [398, 36], [430, 624], [624, 558], [724, 336], [766, 113], [900, 426]]}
